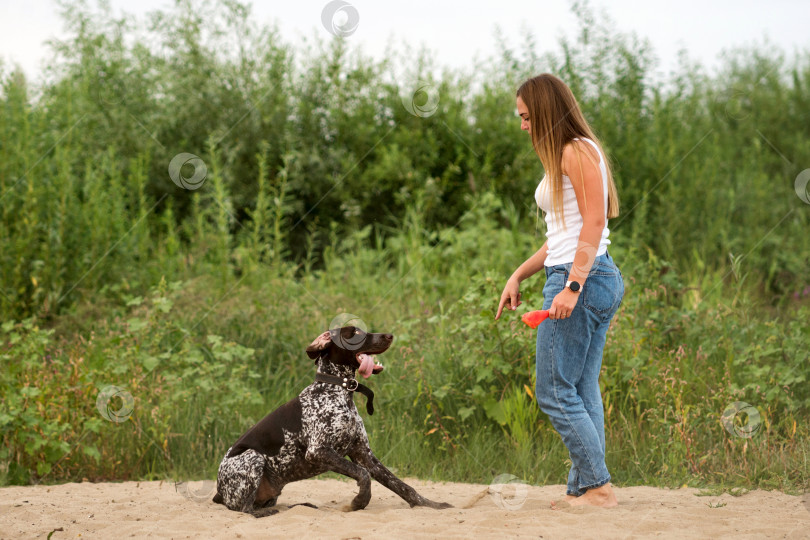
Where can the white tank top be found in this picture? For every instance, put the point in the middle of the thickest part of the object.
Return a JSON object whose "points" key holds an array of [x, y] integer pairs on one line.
{"points": [[562, 241]]}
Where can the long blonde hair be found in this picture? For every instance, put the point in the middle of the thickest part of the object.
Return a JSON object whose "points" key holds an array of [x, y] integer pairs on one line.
{"points": [[556, 119]]}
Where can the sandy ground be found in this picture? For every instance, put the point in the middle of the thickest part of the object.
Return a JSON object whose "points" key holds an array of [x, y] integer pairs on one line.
{"points": [[168, 510]]}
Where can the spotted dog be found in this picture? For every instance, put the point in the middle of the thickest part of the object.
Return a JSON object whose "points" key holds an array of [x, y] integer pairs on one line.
{"points": [[314, 432]]}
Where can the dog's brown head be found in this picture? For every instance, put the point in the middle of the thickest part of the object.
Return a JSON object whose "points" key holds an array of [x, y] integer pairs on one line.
{"points": [[351, 346]]}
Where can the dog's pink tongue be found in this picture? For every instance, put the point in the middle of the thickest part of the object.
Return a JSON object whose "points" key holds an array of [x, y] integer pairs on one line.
{"points": [[366, 364]]}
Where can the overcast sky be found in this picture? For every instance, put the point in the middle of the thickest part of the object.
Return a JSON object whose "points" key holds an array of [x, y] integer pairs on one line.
{"points": [[457, 30]]}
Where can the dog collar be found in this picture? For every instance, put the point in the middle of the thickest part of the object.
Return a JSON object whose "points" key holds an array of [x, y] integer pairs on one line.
{"points": [[351, 385]]}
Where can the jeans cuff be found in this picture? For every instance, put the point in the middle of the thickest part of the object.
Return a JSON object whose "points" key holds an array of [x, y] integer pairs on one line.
{"points": [[601, 483]]}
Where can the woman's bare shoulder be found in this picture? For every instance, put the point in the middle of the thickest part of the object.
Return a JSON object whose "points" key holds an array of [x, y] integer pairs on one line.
{"points": [[573, 153]]}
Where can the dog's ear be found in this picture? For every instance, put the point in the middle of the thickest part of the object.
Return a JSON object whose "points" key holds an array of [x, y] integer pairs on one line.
{"points": [[321, 342]]}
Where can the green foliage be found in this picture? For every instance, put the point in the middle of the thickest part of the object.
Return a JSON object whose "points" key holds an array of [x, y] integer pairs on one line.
{"points": [[53, 423], [456, 383]]}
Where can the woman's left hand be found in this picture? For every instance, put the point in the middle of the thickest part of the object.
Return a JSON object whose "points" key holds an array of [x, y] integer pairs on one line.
{"points": [[563, 304]]}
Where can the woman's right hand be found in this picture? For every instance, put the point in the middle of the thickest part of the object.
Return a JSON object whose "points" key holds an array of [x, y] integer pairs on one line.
{"points": [[510, 297]]}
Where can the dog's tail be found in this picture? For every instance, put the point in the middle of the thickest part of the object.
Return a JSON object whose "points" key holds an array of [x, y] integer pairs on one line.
{"points": [[218, 498]]}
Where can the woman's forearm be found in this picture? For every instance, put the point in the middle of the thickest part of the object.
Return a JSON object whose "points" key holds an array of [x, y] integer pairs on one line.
{"points": [[532, 265], [587, 246]]}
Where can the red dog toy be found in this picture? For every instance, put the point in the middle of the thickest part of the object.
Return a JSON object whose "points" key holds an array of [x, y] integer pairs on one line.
{"points": [[534, 318]]}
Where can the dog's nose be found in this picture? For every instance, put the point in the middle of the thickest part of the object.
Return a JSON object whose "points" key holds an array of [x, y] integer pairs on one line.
{"points": [[389, 337]]}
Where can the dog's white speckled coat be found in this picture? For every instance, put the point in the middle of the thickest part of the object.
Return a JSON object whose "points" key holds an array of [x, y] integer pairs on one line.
{"points": [[309, 435]]}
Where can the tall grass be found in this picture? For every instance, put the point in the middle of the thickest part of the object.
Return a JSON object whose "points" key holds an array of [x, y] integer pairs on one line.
{"points": [[324, 195], [202, 366]]}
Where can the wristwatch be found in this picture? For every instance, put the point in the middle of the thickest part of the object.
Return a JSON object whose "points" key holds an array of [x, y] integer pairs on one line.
{"points": [[573, 285]]}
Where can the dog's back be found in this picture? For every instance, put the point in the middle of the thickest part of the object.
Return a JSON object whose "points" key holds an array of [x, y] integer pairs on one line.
{"points": [[267, 436]]}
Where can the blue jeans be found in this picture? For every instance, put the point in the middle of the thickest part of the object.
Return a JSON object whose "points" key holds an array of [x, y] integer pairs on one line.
{"points": [[569, 358]]}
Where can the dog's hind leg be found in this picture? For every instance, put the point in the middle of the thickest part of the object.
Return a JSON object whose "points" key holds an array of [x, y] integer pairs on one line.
{"points": [[328, 458], [263, 512], [271, 510], [238, 480]]}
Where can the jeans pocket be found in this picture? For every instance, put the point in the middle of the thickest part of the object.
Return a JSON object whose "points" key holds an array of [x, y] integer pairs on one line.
{"points": [[603, 292]]}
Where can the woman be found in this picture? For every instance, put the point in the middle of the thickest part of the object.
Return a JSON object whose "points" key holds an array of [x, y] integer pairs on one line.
{"points": [[583, 286]]}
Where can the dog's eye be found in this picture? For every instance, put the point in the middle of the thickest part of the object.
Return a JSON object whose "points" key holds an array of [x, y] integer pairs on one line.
{"points": [[357, 331]]}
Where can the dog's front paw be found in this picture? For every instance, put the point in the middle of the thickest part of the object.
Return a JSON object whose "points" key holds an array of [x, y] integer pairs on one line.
{"points": [[358, 503], [431, 504], [354, 506]]}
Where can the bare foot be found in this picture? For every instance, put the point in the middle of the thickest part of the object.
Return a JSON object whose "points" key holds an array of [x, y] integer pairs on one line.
{"points": [[563, 503], [602, 496]]}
